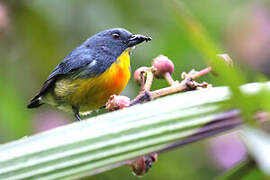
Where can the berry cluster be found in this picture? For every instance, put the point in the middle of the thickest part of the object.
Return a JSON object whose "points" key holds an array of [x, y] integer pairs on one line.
{"points": [[162, 67]]}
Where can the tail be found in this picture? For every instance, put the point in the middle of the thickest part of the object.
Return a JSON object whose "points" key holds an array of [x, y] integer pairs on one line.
{"points": [[34, 103]]}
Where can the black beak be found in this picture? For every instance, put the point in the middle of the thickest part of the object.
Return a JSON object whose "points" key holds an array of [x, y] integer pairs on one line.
{"points": [[137, 39]]}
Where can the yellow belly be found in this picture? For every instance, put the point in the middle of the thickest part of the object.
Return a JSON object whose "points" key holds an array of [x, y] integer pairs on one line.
{"points": [[93, 93]]}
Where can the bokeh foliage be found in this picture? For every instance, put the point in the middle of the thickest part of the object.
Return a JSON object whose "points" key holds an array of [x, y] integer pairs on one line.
{"points": [[41, 33]]}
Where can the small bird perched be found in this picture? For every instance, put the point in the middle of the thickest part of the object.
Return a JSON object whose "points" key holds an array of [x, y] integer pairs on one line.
{"points": [[91, 73]]}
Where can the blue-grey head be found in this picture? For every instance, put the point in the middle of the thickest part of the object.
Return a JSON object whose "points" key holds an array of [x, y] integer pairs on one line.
{"points": [[114, 41]]}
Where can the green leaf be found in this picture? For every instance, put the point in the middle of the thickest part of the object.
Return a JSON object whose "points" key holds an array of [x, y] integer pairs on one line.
{"points": [[104, 142]]}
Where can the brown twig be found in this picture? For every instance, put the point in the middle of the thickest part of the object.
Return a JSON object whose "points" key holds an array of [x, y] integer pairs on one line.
{"points": [[169, 90], [187, 84]]}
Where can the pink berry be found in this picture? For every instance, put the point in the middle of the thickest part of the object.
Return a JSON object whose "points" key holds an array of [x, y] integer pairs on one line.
{"points": [[162, 65], [117, 102], [138, 74]]}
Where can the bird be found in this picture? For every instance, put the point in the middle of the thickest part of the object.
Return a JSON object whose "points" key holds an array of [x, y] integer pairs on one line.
{"points": [[91, 73]]}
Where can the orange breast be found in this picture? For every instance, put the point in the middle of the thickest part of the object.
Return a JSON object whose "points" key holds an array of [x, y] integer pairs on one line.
{"points": [[94, 92]]}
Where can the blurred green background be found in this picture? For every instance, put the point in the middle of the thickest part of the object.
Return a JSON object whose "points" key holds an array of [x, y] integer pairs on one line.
{"points": [[36, 35]]}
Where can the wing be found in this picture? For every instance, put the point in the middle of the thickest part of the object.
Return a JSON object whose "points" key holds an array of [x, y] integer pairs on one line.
{"points": [[74, 64]]}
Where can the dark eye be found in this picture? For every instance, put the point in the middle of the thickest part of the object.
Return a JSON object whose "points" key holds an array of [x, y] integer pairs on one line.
{"points": [[116, 36]]}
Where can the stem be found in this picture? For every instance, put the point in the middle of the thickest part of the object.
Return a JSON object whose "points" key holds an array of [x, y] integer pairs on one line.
{"points": [[196, 74], [203, 72], [168, 90], [185, 85], [149, 80], [169, 78], [143, 81]]}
